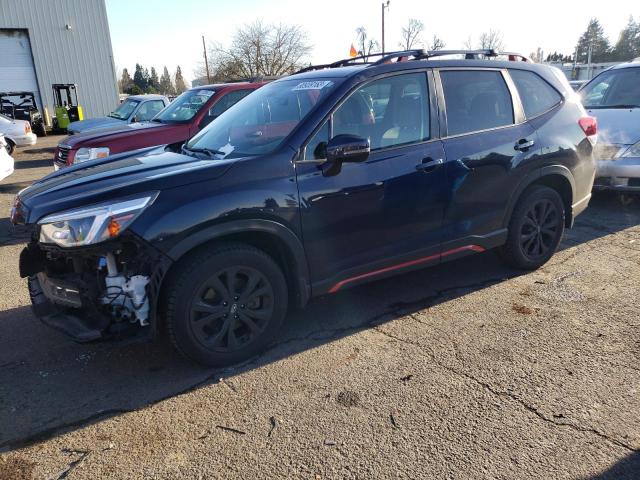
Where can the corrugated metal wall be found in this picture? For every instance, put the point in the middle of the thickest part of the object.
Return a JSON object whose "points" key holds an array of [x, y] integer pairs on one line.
{"points": [[81, 55]]}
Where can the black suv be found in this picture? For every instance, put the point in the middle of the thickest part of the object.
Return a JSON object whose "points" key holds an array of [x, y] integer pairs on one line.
{"points": [[317, 182]]}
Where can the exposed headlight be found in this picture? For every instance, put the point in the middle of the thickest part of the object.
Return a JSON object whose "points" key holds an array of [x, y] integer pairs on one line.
{"points": [[84, 154], [92, 224], [632, 151]]}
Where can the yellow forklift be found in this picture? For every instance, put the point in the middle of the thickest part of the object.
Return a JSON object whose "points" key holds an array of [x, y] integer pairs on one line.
{"points": [[66, 108]]}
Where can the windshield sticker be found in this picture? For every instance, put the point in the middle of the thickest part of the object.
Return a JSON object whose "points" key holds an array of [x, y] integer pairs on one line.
{"points": [[317, 85], [205, 93]]}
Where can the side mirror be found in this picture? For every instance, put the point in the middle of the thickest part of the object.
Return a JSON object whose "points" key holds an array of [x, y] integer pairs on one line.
{"points": [[134, 119], [345, 148], [348, 148]]}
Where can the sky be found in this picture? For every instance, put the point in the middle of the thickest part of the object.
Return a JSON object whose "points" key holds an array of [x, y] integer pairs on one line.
{"points": [[169, 32]]}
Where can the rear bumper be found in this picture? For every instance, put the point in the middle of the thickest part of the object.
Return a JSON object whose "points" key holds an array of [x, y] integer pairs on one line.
{"points": [[26, 140]]}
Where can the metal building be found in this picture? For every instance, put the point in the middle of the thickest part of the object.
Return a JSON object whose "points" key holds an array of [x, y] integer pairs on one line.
{"points": [[58, 41]]}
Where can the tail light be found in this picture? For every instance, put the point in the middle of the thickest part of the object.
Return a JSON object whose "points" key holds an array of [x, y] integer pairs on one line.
{"points": [[589, 126], [27, 128]]}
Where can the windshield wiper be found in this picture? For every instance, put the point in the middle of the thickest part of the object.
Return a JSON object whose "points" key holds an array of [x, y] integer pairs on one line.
{"points": [[157, 120], [211, 153], [621, 105]]}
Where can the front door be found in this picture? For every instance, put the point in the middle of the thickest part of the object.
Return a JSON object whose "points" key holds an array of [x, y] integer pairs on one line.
{"points": [[381, 215]]}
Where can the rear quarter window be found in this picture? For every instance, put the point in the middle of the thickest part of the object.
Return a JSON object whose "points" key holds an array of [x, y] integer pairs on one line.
{"points": [[537, 95]]}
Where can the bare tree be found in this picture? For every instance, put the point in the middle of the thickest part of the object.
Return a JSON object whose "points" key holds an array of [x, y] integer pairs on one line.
{"points": [[411, 34], [491, 40], [365, 44], [259, 50], [436, 44], [468, 43]]}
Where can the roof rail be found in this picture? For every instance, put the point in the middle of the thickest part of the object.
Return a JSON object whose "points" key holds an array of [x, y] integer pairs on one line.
{"points": [[478, 54], [418, 54], [386, 57]]}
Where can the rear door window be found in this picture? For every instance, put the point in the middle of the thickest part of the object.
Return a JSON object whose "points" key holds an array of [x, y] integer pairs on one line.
{"points": [[476, 100], [537, 96]]}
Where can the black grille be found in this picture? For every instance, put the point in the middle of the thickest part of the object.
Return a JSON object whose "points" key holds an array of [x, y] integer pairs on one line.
{"points": [[63, 153]]}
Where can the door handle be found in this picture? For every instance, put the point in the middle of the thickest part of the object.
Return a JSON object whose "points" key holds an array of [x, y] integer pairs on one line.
{"points": [[429, 164], [523, 144]]}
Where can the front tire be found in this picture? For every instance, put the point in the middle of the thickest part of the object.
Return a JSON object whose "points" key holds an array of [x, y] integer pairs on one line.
{"points": [[10, 146], [225, 305], [535, 228]]}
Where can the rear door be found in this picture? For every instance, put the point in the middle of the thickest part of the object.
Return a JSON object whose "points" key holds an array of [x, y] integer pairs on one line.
{"points": [[384, 214], [486, 140]]}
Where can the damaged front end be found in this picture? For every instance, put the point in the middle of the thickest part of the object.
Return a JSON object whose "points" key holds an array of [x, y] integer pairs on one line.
{"points": [[108, 291], [89, 275]]}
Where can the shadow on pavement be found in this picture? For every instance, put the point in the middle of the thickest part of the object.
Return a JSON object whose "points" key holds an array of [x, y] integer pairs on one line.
{"points": [[49, 384], [626, 469], [34, 151], [21, 165]]}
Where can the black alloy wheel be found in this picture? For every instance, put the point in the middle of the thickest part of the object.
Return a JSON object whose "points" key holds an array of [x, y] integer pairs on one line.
{"points": [[535, 228], [224, 303], [539, 229], [231, 309]]}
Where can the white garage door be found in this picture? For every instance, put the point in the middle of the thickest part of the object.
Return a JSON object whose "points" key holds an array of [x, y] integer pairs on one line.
{"points": [[16, 63]]}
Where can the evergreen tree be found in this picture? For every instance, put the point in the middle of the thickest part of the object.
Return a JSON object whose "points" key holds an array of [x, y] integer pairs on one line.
{"points": [[147, 80], [595, 39], [179, 81], [166, 85], [125, 81], [139, 79], [154, 82], [628, 45]]}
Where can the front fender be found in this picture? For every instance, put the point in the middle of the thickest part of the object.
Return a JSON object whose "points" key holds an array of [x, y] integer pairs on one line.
{"points": [[285, 235]]}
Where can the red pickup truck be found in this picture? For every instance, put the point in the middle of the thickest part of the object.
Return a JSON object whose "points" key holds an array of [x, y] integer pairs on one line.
{"points": [[176, 123]]}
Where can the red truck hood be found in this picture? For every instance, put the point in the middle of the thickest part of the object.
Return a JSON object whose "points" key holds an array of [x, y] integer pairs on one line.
{"points": [[121, 132]]}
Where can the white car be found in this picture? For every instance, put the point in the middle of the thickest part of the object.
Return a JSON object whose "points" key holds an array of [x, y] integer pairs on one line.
{"points": [[6, 161], [16, 133]]}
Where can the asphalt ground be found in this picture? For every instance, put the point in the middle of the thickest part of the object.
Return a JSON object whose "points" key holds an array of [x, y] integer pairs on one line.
{"points": [[466, 370]]}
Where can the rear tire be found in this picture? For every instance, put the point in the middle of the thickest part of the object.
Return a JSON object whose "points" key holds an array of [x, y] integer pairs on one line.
{"points": [[535, 228], [225, 305]]}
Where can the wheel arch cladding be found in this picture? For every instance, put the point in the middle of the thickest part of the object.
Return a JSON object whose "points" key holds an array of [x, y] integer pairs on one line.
{"points": [[556, 177], [562, 185], [276, 240]]}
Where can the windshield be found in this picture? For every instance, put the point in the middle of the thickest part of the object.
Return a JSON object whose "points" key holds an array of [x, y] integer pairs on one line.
{"points": [[185, 107], [260, 122], [125, 109], [613, 89]]}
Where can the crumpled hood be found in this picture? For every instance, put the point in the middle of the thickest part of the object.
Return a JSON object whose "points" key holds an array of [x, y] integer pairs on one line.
{"points": [[111, 178], [617, 125], [94, 123]]}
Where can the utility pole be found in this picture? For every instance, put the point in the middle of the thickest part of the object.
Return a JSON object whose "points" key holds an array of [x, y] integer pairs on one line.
{"points": [[383, 8], [206, 61], [589, 67]]}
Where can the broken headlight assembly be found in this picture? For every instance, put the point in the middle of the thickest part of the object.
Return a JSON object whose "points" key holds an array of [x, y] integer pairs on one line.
{"points": [[93, 224]]}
